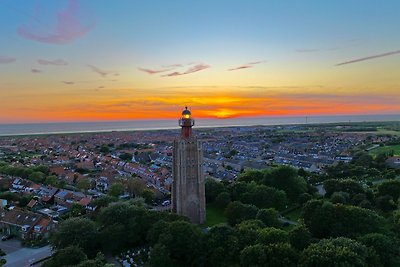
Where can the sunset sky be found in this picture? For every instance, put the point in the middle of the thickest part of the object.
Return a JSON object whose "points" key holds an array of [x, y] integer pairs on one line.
{"points": [[70, 60]]}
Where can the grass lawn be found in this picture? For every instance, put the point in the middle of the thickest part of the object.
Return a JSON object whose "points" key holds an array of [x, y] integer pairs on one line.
{"points": [[294, 215], [214, 215], [385, 149]]}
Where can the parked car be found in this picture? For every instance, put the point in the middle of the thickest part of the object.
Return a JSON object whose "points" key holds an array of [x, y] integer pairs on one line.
{"points": [[166, 203], [6, 237]]}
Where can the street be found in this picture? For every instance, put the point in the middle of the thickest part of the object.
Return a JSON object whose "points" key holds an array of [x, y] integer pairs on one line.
{"points": [[26, 256]]}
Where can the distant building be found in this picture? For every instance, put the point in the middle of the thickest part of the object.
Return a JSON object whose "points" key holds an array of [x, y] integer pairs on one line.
{"points": [[188, 193]]}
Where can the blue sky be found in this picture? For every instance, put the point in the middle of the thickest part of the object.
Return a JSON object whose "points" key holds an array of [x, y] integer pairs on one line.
{"points": [[296, 44]]}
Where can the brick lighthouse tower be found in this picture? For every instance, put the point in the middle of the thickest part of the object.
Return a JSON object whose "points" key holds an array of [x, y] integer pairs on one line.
{"points": [[188, 194]]}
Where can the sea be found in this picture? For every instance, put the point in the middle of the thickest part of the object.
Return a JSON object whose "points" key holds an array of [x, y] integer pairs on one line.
{"points": [[136, 125]]}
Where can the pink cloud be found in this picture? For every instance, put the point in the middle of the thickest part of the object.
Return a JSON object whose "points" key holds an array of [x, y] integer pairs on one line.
{"points": [[67, 29], [57, 62], [196, 68], [7, 60], [241, 67], [101, 72], [35, 71], [149, 71]]}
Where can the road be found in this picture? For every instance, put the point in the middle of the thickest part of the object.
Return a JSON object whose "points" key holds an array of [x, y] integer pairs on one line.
{"points": [[25, 256]]}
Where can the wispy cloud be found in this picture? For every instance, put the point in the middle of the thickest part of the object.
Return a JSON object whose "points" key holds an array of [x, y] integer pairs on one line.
{"points": [[257, 62], [153, 71], [56, 62], [247, 65], [68, 82], [7, 60], [162, 69], [241, 67], [35, 71], [175, 73], [368, 58], [196, 68], [173, 66], [67, 29], [101, 72]]}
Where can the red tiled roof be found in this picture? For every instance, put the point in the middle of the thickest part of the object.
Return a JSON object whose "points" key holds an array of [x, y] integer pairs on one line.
{"points": [[32, 203]]}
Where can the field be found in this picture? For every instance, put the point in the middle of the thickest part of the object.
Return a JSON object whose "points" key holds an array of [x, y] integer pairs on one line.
{"points": [[386, 131], [386, 149], [214, 215]]}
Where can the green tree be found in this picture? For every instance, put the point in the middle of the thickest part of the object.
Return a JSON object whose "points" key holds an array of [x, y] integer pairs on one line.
{"points": [[247, 232], [274, 255], [37, 177], [51, 180], [104, 149], [103, 201], [222, 200], [287, 179], [269, 217], [149, 196], [349, 186], [126, 157], [325, 219], [213, 189], [75, 210], [80, 232], [222, 246], [250, 176], [135, 186], [253, 256], [184, 244], [342, 252], [160, 256], [385, 203], [237, 212], [300, 237], [340, 197], [391, 188], [84, 184], [386, 247], [68, 256], [272, 235], [264, 197], [99, 261], [280, 254], [116, 189]]}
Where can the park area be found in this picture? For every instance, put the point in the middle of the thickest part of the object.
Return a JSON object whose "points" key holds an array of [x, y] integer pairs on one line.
{"points": [[386, 149], [214, 215]]}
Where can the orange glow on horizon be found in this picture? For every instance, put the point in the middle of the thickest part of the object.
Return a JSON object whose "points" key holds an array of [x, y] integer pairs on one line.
{"points": [[218, 109]]}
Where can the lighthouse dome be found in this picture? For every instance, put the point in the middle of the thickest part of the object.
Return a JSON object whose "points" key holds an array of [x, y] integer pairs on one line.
{"points": [[186, 113]]}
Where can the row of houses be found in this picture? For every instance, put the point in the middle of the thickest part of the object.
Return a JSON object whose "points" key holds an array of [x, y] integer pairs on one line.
{"points": [[25, 224]]}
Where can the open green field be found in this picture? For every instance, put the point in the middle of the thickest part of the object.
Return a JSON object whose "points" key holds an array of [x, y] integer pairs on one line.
{"points": [[391, 132], [214, 215], [386, 149]]}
